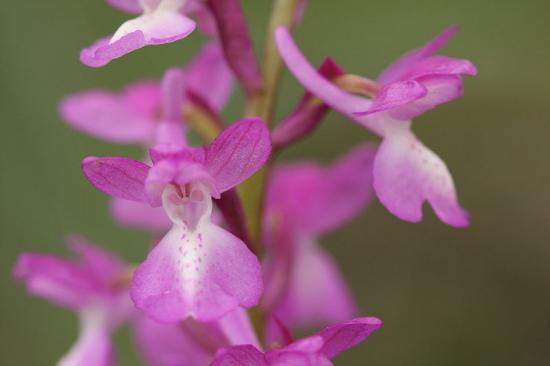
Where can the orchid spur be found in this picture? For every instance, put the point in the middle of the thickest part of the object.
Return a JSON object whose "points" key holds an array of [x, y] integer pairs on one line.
{"points": [[198, 269], [406, 173]]}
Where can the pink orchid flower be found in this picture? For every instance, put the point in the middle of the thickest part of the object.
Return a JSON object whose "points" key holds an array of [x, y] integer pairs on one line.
{"points": [[316, 350], [304, 285], [161, 21], [198, 269], [406, 173], [142, 113], [134, 114], [191, 343], [87, 287]]}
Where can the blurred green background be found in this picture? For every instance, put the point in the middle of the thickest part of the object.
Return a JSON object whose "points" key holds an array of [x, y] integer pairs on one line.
{"points": [[478, 296]]}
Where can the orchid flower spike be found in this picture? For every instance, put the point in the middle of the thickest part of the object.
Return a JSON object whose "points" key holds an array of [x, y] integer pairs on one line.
{"points": [[198, 269], [406, 173], [316, 350], [304, 201], [87, 287], [161, 21]]}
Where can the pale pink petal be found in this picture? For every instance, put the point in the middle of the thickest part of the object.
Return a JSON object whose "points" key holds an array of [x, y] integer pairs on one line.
{"points": [[56, 279], [440, 89], [163, 344], [404, 64], [209, 76], [105, 115], [341, 337], [406, 174], [318, 295], [139, 215], [118, 177], [157, 27], [144, 97], [238, 152], [395, 95], [129, 6], [245, 355], [93, 347], [204, 274]]}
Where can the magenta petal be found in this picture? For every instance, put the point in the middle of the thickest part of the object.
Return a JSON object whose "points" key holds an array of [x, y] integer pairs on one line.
{"points": [[102, 52], [441, 65], [342, 337], [55, 279], [245, 355], [406, 174], [318, 296], [172, 94], [204, 274], [238, 152], [209, 76], [169, 344], [105, 115], [395, 95], [118, 177], [440, 89], [403, 65], [139, 215], [104, 265]]}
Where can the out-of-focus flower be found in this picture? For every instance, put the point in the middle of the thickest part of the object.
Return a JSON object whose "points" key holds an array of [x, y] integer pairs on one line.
{"points": [[134, 114], [198, 269], [89, 288], [191, 343], [304, 286], [406, 173], [161, 21], [316, 350]]}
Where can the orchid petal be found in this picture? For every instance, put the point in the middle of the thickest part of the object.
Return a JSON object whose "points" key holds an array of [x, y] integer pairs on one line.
{"points": [[316, 84], [244, 355], [318, 296], [153, 28], [104, 265], [129, 6], [403, 65], [441, 65], [107, 116], [406, 173], [178, 171], [168, 344], [341, 337], [56, 279], [203, 273], [238, 152], [93, 347], [118, 177], [395, 95], [440, 89], [139, 215], [209, 76], [172, 94]]}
